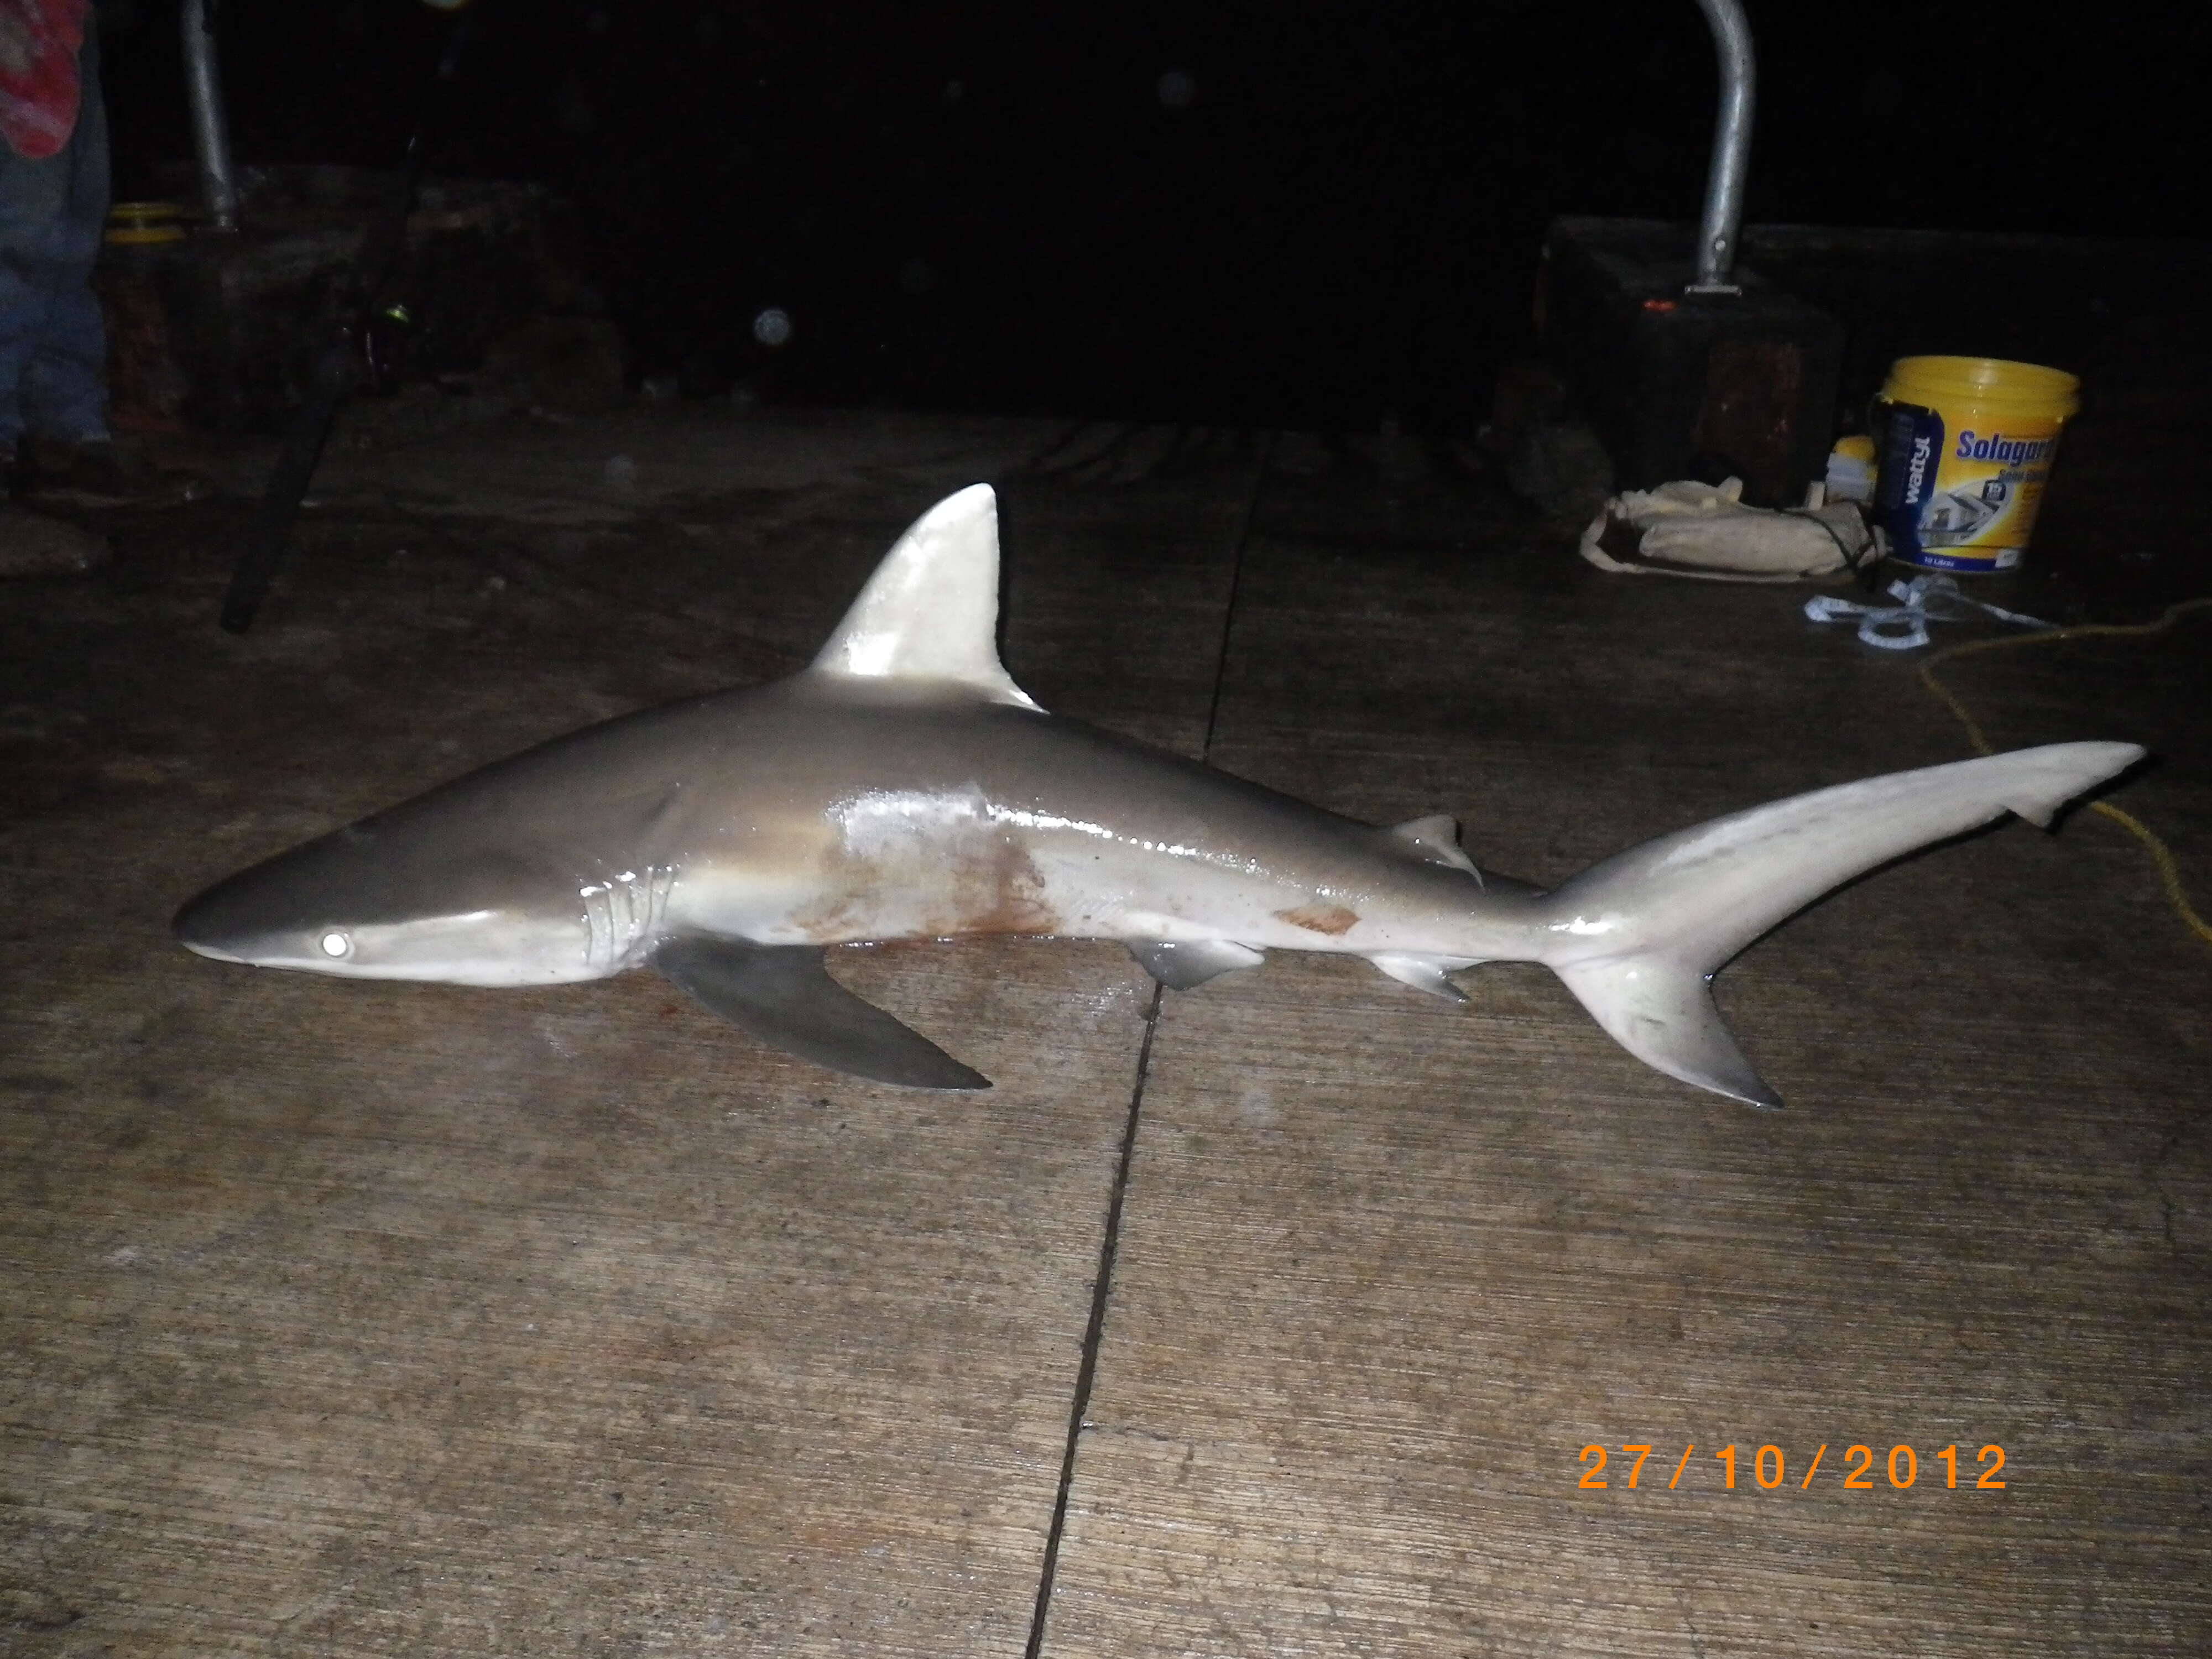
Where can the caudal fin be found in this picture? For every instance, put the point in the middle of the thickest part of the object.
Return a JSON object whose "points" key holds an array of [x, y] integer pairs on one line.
{"points": [[1638, 938]]}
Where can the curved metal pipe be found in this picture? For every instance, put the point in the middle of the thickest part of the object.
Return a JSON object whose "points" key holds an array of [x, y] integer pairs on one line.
{"points": [[210, 132], [1722, 220]]}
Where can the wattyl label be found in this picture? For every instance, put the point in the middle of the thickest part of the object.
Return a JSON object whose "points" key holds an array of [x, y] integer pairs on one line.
{"points": [[1962, 500]]}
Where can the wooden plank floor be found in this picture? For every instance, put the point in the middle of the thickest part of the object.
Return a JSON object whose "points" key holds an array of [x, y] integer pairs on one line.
{"points": [[1386, 1269], [377, 1320]]}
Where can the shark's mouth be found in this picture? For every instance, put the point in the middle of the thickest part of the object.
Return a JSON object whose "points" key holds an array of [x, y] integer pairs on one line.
{"points": [[211, 953]]}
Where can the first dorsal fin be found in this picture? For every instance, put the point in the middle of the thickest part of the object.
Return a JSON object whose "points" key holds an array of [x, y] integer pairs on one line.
{"points": [[931, 610]]}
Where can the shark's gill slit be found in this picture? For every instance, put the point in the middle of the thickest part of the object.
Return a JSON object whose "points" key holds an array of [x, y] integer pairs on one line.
{"points": [[625, 915], [598, 941]]}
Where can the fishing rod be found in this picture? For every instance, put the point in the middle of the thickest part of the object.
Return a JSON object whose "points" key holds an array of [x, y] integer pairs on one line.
{"points": [[348, 353]]}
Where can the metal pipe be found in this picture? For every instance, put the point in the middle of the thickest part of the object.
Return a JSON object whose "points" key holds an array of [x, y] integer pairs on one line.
{"points": [[1722, 220], [210, 132]]}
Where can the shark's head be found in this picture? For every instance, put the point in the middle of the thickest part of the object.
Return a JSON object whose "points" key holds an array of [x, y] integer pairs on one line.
{"points": [[389, 898]]}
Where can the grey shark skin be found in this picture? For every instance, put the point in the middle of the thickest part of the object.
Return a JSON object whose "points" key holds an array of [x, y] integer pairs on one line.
{"points": [[902, 786]]}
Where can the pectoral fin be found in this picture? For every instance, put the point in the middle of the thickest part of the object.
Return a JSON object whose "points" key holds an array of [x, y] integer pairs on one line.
{"points": [[783, 995], [1182, 966]]}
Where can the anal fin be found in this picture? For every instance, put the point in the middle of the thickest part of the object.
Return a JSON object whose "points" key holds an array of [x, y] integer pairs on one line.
{"points": [[782, 994], [1424, 973], [1661, 1010], [1184, 965]]}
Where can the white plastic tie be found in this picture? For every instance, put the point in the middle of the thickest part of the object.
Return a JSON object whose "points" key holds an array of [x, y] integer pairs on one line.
{"points": [[1904, 626]]}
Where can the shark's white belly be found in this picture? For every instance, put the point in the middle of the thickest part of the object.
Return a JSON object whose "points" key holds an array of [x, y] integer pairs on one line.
{"points": [[906, 865]]}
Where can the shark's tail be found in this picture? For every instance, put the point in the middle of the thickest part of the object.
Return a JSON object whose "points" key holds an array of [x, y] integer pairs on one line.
{"points": [[1638, 938]]}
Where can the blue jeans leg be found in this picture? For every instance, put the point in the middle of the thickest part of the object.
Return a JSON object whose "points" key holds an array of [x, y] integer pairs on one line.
{"points": [[53, 349]]}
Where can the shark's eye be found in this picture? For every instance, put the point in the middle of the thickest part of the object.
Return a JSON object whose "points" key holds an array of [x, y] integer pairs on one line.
{"points": [[336, 944]]}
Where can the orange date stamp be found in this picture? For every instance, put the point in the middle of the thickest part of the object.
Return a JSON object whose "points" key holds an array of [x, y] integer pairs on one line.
{"points": [[1769, 1468]]}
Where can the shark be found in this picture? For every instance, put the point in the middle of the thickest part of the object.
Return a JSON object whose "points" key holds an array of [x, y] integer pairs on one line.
{"points": [[903, 787]]}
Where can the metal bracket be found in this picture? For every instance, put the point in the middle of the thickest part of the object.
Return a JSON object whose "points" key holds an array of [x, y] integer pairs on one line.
{"points": [[1722, 219], [210, 131]]}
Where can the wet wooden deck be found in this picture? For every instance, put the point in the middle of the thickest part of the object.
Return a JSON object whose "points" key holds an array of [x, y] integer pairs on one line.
{"points": [[1274, 1318]]}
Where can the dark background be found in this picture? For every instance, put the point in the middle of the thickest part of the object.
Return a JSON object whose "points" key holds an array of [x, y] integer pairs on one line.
{"points": [[1002, 206]]}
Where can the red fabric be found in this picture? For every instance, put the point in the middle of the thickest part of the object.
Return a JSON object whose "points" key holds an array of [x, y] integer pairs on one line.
{"points": [[38, 101]]}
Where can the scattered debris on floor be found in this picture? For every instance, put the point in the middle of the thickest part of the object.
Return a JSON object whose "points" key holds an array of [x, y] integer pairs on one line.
{"points": [[1690, 529], [1904, 626]]}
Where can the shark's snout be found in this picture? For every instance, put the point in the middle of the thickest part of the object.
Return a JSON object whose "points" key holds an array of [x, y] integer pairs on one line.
{"points": [[200, 947], [209, 925], [361, 903], [249, 917]]}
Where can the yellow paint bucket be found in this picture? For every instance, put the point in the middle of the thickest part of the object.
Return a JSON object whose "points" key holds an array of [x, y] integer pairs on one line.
{"points": [[1965, 445]]}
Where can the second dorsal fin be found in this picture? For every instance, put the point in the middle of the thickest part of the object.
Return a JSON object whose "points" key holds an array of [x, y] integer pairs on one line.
{"points": [[1435, 840], [931, 610]]}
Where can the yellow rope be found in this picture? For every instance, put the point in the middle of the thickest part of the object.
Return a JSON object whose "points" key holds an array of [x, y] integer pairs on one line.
{"points": [[2169, 872]]}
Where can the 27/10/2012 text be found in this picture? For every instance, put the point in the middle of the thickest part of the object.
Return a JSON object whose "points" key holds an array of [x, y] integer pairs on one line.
{"points": [[1769, 1468]]}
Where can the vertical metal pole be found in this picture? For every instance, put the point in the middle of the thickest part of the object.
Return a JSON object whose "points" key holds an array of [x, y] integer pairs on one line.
{"points": [[210, 132], [1722, 219]]}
